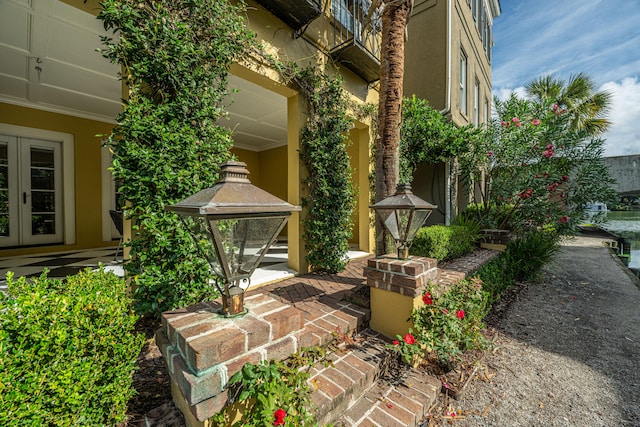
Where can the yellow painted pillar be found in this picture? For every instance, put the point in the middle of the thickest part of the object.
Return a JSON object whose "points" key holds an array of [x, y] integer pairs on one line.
{"points": [[295, 176], [396, 289], [366, 231]]}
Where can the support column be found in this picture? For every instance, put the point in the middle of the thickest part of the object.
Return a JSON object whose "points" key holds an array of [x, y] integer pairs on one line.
{"points": [[297, 252]]}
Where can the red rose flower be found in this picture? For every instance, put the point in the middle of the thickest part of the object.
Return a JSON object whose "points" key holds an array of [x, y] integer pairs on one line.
{"points": [[563, 219], [535, 122], [427, 298], [279, 416], [409, 339], [460, 314], [396, 342]]}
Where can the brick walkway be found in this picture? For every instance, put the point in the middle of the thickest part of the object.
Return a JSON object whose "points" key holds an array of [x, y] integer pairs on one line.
{"points": [[305, 290]]}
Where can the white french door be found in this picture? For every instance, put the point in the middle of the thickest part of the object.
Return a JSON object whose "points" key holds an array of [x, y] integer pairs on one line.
{"points": [[30, 192]]}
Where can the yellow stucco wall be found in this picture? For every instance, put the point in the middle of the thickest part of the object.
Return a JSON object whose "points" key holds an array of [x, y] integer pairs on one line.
{"points": [[87, 177], [390, 312], [268, 170], [252, 159], [430, 65], [278, 170], [273, 171]]}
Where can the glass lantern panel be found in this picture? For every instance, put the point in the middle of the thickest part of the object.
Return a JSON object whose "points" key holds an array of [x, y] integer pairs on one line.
{"points": [[245, 240], [390, 222], [419, 217], [403, 216], [199, 228]]}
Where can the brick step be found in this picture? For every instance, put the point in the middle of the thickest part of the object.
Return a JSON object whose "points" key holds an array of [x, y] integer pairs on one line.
{"points": [[403, 403], [203, 349], [353, 391]]}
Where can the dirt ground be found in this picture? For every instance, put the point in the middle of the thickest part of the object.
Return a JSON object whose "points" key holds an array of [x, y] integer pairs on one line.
{"points": [[567, 353], [567, 349]]}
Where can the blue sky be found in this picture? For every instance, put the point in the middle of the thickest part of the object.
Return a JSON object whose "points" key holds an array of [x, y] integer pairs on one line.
{"points": [[564, 37]]}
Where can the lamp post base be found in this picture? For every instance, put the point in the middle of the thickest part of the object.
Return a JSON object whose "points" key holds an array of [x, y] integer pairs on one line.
{"points": [[233, 303]]}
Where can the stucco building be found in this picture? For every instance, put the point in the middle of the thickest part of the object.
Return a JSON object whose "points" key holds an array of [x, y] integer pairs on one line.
{"points": [[448, 62], [59, 97]]}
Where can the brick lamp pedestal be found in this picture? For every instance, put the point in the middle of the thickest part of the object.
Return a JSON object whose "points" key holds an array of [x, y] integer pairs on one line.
{"points": [[203, 349], [494, 239], [396, 289]]}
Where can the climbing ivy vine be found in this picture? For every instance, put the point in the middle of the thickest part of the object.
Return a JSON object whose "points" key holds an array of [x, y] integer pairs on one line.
{"points": [[331, 199], [166, 145]]}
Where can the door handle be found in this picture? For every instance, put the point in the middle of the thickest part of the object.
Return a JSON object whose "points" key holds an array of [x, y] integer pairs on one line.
{"points": [[24, 197]]}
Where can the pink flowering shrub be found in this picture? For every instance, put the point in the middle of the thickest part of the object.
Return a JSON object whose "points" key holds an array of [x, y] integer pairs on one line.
{"points": [[534, 164]]}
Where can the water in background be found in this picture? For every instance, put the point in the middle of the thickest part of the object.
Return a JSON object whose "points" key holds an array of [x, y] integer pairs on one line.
{"points": [[626, 224]]}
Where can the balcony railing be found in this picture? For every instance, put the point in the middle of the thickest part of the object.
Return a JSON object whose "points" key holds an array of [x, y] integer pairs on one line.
{"points": [[294, 13], [356, 41]]}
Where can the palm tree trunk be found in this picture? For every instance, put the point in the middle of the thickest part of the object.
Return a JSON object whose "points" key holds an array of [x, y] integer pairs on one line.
{"points": [[394, 20]]}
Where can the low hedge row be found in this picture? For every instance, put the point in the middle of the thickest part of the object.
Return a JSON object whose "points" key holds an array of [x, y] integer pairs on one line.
{"points": [[443, 243], [67, 350]]}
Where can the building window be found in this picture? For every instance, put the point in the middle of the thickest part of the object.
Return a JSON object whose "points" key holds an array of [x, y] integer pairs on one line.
{"points": [[486, 111], [474, 9], [463, 82], [476, 103], [482, 24], [488, 41]]}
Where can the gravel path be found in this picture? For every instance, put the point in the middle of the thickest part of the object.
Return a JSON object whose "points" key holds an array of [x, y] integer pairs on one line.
{"points": [[567, 349]]}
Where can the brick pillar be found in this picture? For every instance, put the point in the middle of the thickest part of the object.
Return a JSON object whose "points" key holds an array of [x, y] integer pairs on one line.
{"points": [[396, 289], [494, 239], [203, 349]]}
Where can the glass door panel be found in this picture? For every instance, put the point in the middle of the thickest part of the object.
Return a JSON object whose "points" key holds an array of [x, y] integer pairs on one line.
{"points": [[41, 192], [9, 207]]}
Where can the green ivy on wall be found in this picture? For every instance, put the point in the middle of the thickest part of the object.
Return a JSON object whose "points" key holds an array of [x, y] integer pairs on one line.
{"points": [[331, 199], [175, 58]]}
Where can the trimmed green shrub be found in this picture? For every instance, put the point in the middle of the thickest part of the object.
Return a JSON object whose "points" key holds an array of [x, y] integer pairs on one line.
{"points": [[496, 278], [522, 260], [67, 350], [442, 242]]}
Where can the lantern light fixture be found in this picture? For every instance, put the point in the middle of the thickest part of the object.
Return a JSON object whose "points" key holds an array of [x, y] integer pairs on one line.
{"points": [[403, 214], [233, 224]]}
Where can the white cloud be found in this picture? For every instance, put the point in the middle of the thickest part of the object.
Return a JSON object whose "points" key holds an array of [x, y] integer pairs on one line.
{"points": [[623, 138], [503, 93]]}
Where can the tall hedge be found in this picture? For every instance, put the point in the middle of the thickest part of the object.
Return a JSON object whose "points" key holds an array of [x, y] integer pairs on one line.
{"points": [[175, 57]]}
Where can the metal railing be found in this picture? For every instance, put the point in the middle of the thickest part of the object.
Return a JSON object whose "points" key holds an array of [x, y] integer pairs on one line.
{"points": [[350, 25]]}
